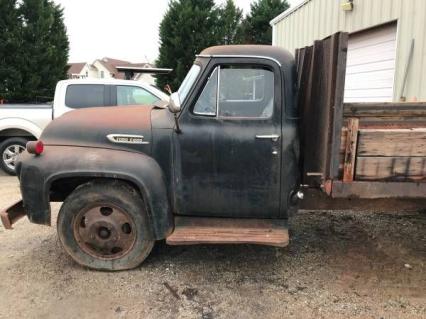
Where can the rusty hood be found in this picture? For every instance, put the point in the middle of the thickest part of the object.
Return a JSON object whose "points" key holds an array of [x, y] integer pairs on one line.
{"points": [[124, 128]]}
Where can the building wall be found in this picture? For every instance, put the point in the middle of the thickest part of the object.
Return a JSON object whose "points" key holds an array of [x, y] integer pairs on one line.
{"points": [[82, 74], [100, 68], [317, 19]]}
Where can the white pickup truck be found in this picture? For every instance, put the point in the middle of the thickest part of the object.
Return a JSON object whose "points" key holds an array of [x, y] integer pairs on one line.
{"points": [[20, 123]]}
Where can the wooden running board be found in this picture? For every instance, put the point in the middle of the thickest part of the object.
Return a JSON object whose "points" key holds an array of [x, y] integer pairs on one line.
{"points": [[201, 230]]}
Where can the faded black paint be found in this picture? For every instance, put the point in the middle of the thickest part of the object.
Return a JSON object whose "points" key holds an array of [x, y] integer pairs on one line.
{"points": [[214, 167]]}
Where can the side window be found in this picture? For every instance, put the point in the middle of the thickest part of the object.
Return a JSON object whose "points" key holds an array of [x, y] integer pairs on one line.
{"points": [[207, 101], [84, 95], [133, 95], [246, 92], [238, 91]]}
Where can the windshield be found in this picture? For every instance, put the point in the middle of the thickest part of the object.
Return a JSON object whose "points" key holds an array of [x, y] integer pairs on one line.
{"points": [[188, 82]]}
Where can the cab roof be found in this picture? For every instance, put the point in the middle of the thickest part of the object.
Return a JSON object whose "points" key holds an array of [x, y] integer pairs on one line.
{"points": [[283, 57]]}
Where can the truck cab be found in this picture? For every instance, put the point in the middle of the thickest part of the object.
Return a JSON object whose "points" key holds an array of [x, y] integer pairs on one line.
{"points": [[220, 165]]}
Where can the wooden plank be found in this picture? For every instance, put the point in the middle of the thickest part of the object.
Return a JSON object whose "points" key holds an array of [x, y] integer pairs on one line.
{"points": [[350, 151], [199, 230], [372, 190], [394, 142], [392, 123], [321, 70], [343, 136], [391, 168], [314, 124], [340, 44], [417, 109]]}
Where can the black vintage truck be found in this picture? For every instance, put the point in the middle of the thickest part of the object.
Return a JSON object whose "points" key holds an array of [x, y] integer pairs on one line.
{"points": [[219, 165]]}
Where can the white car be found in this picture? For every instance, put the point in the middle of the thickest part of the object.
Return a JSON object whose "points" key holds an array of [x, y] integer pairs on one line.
{"points": [[20, 123]]}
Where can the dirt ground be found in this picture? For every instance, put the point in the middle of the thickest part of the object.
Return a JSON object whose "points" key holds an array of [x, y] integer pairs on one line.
{"points": [[338, 265]]}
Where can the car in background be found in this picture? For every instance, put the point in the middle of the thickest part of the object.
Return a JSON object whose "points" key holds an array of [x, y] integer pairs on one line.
{"points": [[20, 123]]}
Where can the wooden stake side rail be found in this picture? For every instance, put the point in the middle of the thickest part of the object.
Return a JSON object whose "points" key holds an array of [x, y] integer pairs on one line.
{"points": [[321, 80], [390, 143], [363, 150], [350, 150]]}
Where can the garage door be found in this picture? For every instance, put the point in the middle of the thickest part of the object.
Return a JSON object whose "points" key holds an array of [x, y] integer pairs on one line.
{"points": [[371, 65]]}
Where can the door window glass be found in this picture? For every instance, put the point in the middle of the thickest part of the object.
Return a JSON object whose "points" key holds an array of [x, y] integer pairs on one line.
{"points": [[238, 91], [246, 92], [84, 95], [133, 95], [207, 101]]}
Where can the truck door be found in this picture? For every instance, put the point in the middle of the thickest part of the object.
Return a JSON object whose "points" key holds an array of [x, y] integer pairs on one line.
{"points": [[227, 158]]}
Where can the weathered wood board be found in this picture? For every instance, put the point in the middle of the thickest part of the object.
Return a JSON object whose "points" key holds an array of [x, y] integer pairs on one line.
{"points": [[201, 230], [391, 168], [350, 150], [393, 142], [321, 77], [385, 110]]}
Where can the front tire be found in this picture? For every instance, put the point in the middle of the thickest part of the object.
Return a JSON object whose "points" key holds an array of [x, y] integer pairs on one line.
{"points": [[104, 226], [9, 150]]}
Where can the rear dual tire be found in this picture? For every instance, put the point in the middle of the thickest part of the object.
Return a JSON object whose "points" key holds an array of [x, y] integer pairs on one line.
{"points": [[104, 226]]}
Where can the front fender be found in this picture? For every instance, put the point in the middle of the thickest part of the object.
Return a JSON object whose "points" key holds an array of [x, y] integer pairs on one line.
{"points": [[57, 162], [21, 124]]}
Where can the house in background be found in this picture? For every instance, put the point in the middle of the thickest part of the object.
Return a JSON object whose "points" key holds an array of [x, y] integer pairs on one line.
{"points": [[387, 43], [106, 68], [81, 70]]}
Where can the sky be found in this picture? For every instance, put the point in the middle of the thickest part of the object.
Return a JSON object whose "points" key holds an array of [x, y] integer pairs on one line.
{"points": [[124, 29]]}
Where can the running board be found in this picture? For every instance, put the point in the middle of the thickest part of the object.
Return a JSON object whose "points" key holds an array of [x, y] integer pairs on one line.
{"points": [[204, 230]]}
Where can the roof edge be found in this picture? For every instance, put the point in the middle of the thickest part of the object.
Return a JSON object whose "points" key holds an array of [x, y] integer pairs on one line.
{"points": [[287, 12]]}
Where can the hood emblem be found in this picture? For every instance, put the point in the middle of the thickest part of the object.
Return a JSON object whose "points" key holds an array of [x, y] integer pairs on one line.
{"points": [[126, 139]]}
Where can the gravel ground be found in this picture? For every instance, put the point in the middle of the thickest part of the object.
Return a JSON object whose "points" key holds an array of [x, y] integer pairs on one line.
{"points": [[338, 265]]}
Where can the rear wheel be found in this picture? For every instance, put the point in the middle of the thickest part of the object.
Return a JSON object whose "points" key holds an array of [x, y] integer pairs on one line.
{"points": [[105, 226], [9, 150]]}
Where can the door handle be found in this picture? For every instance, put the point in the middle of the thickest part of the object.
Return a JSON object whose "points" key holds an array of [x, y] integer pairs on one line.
{"points": [[273, 137]]}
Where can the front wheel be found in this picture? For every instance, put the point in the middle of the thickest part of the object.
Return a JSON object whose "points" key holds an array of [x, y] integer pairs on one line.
{"points": [[9, 150], [104, 226]]}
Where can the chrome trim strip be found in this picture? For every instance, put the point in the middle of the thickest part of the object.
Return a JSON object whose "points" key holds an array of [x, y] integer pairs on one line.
{"points": [[218, 91], [238, 56], [126, 139], [273, 137]]}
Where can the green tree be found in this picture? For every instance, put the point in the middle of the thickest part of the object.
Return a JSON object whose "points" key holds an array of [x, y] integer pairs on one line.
{"points": [[230, 17], [188, 27], [45, 49], [255, 28], [10, 43]]}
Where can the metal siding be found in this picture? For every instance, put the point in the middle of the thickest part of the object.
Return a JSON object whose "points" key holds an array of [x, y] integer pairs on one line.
{"points": [[422, 50], [312, 23]]}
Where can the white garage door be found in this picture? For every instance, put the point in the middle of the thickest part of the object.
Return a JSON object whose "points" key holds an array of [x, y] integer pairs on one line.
{"points": [[371, 65]]}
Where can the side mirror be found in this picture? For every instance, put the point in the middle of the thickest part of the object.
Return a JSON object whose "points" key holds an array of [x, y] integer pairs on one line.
{"points": [[174, 104]]}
